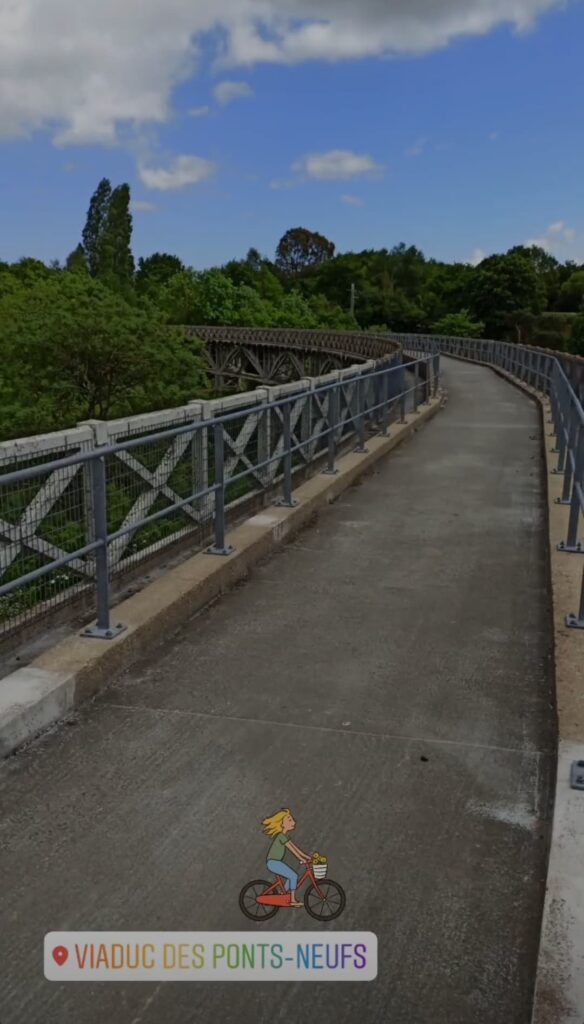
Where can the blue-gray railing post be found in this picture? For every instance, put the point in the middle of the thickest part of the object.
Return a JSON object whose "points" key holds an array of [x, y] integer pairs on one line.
{"points": [[384, 388], [416, 385], [103, 630], [573, 445], [402, 396], [219, 547], [360, 392], [572, 544], [577, 621], [332, 419], [561, 434], [287, 501], [377, 411], [554, 411]]}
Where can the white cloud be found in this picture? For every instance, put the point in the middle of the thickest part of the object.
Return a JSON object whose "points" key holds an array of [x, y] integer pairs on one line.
{"points": [[226, 92], [142, 205], [352, 200], [540, 243], [477, 257], [199, 111], [555, 237], [82, 70], [337, 164], [184, 170], [417, 149]]}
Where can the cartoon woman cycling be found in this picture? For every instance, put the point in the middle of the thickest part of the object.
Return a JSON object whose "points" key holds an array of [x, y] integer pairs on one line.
{"points": [[278, 827]]}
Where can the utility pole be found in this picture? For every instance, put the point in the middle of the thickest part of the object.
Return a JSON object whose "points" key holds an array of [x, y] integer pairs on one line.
{"points": [[352, 300]]}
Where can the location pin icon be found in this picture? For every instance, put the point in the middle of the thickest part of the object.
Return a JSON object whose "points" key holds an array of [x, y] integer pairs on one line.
{"points": [[60, 955]]}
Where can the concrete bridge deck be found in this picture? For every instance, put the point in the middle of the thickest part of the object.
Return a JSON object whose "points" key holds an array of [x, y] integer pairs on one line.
{"points": [[387, 675]]}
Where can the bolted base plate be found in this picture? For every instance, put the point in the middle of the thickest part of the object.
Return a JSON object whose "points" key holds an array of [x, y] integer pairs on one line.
{"points": [[361, 451], [562, 501], [103, 634], [282, 503], [330, 472], [574, 622], [227, 550], [575, 549]]}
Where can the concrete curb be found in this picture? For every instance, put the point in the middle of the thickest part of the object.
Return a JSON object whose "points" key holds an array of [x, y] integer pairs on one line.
{"points": [[559, 993], [559, 987], [47, 690]]}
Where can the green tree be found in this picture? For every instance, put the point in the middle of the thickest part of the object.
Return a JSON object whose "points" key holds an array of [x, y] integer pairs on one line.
{"points": [[76, 261], [191, 297], [178, 297], [503, 290], [300, 249], [445, 288], [216, 299], [95, 225], [459, 325], [577, 337], [115, 262], [72, 349], [406, 267], [154, 271], [294, 311], [28, 271], [571, 297], [546, 267], [328, 316], [256, 273], [250, 310]]}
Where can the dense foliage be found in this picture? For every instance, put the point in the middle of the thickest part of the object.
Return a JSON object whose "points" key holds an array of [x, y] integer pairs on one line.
{"points": [[100, 338], [72, 349]]}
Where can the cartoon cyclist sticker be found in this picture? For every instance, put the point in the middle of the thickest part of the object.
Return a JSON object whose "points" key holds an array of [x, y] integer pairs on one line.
{"points": [[278, 827], [323, 899]]}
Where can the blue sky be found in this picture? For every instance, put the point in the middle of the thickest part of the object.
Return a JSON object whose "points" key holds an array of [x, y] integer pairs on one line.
{"points": [[462, 149]]}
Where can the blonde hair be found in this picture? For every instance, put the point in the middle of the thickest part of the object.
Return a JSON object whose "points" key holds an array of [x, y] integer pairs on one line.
{"points": [[273, 825]]}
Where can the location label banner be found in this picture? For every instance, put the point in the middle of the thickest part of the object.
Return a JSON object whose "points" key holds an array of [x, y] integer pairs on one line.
{"points": [[210, 956]]}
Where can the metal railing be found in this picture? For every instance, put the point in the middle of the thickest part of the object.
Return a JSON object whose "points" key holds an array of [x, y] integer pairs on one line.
{"points": [[79, 507], [222, 454], [557, 376]]}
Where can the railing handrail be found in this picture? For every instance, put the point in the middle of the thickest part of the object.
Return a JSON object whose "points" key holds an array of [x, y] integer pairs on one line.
{"points": [[101, 451]]}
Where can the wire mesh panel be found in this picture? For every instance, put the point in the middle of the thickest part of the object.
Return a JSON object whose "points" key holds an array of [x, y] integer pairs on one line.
{"points": [[244, 450], [148, 484], [42, 521], [318, 424]]}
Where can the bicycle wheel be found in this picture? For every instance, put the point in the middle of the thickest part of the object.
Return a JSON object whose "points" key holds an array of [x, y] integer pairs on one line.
{"points": [[330, 905], [249, 905]]}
